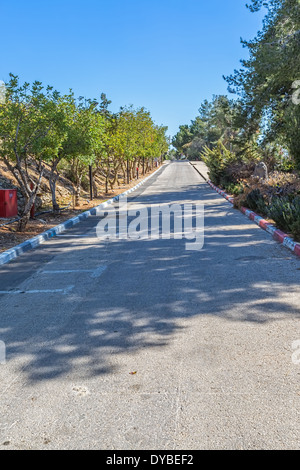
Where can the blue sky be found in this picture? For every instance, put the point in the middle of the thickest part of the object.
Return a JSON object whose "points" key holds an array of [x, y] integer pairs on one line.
{"points": [[165, 55]]}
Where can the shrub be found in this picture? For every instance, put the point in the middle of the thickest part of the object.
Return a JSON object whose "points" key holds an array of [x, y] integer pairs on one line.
{"points": [[286, 214], [234, 188], [217, 160], [276, 211], [285, 164], [295, 229], [255, 201]]}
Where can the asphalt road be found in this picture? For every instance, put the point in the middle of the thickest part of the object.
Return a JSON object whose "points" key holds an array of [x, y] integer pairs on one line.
{"points": [[142, 344]]}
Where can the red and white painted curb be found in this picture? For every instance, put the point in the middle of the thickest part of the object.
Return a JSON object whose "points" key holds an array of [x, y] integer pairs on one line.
{"points": [[277, 234]]}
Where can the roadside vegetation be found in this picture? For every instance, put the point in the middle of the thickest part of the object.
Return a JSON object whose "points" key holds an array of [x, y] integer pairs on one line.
{"points": [[261, 125], [46, 137]]}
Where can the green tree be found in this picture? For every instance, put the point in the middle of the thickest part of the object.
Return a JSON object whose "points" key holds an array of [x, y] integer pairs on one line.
{"points": [[103, 107], [160, 143], [216, 121], [85, 140], [146, 134], [56, 142], [267, 80], [27, 117], [183, 137]]}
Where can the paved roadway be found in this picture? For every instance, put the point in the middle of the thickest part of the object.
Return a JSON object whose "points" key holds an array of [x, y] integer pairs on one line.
{"points": [[142, 344]]}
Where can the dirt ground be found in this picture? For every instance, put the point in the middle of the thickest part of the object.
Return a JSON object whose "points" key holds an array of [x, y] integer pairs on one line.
{"points": [[9, 237]]}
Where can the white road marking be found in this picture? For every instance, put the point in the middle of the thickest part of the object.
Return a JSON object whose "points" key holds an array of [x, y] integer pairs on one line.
{"points": [[94, 272], [98, 271], [38, 291], [65, 271]]}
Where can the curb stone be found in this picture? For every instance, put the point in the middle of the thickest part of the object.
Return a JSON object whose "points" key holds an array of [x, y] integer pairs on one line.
{"points": [[32, 243], [277, 234], [198, 171]]}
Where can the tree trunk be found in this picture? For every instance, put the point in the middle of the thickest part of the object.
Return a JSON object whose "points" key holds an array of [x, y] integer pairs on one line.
{"points": [[112, 182], [138, 165], [107, 176], [124, 173], [128, 172], [22, 223], [52, 183], [77, 191], [95, 188], [55, 205], [133, 169], [28, 191], [77, 178]]}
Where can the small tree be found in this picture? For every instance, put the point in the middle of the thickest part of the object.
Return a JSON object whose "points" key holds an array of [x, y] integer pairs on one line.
{"points": [[53, 152], [27, 116], [85, 138], [217, 160]]}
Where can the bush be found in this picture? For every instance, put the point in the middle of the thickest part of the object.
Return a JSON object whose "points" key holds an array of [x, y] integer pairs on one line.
{"points": [[285, 164], [234, 188], [286, 214], [227, 169], [276, 211], [295, 229], [217, 160], [255, 201]]}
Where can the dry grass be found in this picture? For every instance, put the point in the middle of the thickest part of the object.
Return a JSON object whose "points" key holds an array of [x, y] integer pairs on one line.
{"points": [[277, 184]]}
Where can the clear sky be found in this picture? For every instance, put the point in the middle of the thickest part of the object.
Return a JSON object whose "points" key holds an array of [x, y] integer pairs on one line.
{"points": [[165, 55]]}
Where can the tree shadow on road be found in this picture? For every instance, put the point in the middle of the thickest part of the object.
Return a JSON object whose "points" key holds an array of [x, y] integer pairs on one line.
{"points": [[147, 294]]}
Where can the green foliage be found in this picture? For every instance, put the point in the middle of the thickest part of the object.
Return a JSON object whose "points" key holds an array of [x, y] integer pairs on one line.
{"points": [[59, 131], [267, 82], [276, 211], [295, 227], [215, 122], [217, 160], [255, 201], [27, 116], [31, 126], [286, 214], [234, 188], [183, 137], [285, 164]]}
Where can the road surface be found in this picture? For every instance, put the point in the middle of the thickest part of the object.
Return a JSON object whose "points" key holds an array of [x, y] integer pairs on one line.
{"points": [[142, 344]]}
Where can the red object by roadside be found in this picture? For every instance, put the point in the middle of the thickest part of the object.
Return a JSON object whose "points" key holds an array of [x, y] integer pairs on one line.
{"points": [[8, 203]]}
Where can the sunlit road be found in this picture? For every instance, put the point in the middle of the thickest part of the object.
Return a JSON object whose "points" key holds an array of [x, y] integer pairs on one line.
{"points": [[142, 344]]}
